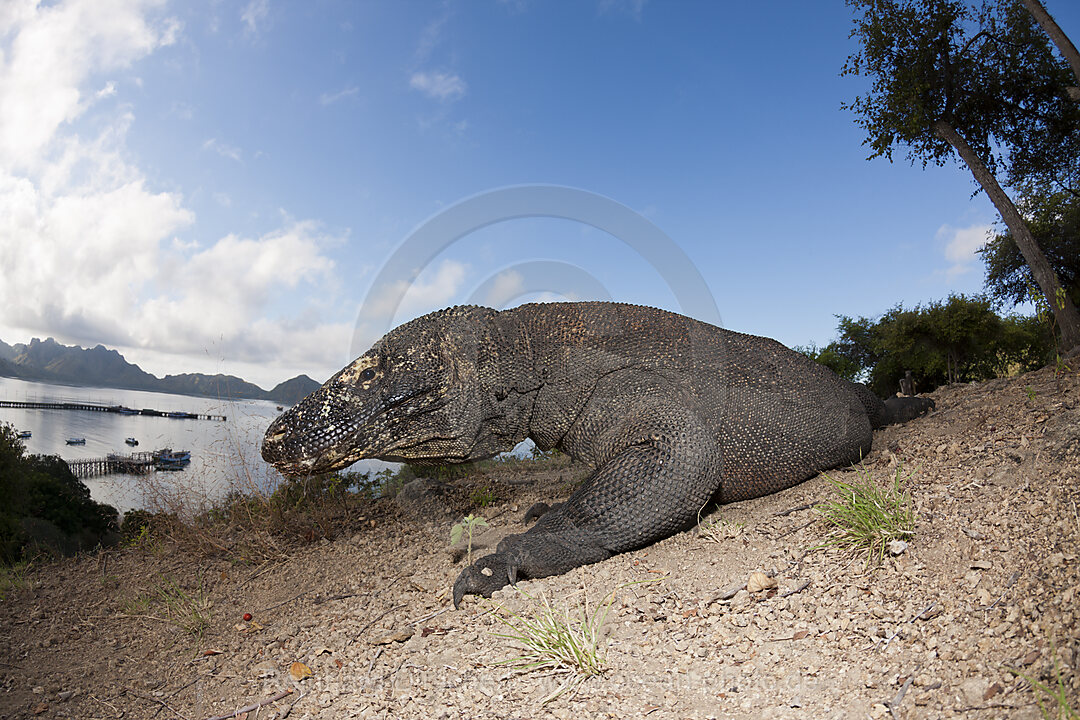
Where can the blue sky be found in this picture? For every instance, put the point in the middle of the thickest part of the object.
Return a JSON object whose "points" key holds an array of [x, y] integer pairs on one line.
{"points": [[212, 186]]}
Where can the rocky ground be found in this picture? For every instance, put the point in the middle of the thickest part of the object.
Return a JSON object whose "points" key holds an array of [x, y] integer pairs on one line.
{"points": [[983, 602]]}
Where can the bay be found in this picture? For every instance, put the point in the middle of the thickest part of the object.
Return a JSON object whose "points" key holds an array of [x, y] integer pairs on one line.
{"points": [[225, 454]]}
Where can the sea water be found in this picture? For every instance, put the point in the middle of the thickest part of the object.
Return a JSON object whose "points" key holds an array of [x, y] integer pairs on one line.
{"points": [[224, 454]]}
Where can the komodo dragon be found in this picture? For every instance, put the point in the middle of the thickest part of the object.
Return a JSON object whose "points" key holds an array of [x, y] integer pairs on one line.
{"points": [[669, 412]]}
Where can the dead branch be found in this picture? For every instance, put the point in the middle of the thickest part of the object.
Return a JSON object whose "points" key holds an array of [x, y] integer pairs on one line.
{"points": [[254, 705]]}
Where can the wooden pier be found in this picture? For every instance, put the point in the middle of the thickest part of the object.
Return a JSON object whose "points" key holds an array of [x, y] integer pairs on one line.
{"points": [[93, 407], [136, 464]]}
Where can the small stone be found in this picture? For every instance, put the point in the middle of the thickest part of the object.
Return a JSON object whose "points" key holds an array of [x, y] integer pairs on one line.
{"points": [[759, 581], [399, 636], [897, 547], [38, 690], [973, 690]]}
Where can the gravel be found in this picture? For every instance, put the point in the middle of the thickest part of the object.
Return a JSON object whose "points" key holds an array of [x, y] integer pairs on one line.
{"points": [[983, 599]]}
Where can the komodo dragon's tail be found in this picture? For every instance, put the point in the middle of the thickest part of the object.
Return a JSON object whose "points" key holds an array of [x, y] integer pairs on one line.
{"points": [[894, 410], [902, 409]]}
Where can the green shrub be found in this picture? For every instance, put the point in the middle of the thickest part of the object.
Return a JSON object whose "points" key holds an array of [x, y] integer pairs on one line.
{"points": [[43, 507], [957, 340]]}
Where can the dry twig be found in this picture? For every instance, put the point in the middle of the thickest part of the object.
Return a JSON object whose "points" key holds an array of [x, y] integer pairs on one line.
{"points": [[254, 705]]}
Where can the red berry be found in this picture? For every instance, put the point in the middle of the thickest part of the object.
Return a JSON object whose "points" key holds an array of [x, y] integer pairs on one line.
{"points": [[247, 617]]}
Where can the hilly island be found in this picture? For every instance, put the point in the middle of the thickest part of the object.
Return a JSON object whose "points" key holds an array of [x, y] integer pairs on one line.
{"points": [[49, 361]]}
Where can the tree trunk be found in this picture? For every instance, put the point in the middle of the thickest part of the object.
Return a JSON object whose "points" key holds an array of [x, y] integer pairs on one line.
{"points": [[1068, 320], [1060, 39]]}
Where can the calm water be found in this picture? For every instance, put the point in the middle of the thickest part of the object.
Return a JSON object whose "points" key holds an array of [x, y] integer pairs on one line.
{"points": [[224, 455]]}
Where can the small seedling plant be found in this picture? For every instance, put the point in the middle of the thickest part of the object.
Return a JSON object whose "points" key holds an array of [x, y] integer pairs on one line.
{"points": [[466, 527]]}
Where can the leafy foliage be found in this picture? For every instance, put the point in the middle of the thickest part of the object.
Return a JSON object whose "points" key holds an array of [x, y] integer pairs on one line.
{"points": [[44, 507], [1054, 220], [987, 69], [958, 340], [833, 357], [980, 80]]}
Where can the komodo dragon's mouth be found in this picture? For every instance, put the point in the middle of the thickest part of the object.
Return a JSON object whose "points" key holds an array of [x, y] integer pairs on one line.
{"points": [[332, 429]]}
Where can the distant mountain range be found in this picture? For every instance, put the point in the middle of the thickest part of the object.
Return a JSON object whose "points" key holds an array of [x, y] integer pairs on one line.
{"points": [[49, 361]]}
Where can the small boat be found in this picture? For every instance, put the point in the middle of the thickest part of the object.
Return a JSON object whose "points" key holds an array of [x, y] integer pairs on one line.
{"points": [[168, 459], [279, 408], [76, 441], [23, 434], [123, 410], [131, 441], [182, 415]]}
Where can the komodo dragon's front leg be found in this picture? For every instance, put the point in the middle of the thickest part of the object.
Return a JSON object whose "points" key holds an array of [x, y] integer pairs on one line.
{"points": [[655, 469]]}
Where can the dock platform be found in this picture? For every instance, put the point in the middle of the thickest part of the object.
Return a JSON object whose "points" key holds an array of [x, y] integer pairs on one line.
{"points": [[93, 407], [135, 464]]}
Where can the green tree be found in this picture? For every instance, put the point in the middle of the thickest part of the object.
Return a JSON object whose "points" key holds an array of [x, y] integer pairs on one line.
{"points": [[980, 82], [42, 504], [1054, 219], [833, 357], [957, 340]]}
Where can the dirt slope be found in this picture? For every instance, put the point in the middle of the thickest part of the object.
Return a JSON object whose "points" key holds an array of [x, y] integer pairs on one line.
{"points": [[989, 582]]}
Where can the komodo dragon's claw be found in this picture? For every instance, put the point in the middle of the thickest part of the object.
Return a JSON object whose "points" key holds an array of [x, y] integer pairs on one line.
{"points": [[484, 577]]}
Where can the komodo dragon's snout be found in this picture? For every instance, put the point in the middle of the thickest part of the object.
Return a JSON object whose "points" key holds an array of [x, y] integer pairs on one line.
{"points": [[667, 412], [404, 400]]}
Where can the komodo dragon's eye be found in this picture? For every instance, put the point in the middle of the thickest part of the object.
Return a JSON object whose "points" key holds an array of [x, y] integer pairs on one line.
{"points": [[367, 375]]}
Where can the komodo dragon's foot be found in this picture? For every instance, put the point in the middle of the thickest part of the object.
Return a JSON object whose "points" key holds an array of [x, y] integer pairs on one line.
{"points": [[483, 577], [529, 555]]}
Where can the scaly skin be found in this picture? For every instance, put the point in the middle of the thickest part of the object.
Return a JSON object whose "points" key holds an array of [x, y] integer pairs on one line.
{"points": [[669, 413]]}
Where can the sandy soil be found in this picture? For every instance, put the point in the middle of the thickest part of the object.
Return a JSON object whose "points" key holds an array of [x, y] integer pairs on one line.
{"points": [[989, 582]]}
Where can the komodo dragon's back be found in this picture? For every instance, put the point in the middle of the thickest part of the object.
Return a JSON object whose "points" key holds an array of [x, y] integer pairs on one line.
{"points": [[669, 412]]}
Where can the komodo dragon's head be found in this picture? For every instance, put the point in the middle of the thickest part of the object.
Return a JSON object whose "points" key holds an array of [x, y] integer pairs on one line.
{"points": [[410, 398]]}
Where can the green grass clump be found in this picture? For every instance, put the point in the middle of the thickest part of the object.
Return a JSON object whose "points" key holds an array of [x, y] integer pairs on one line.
{"points": [[1056, 705], [188, 611], [866, 517], [717, 529], [559, 641], [483, 496], [13, 578]]}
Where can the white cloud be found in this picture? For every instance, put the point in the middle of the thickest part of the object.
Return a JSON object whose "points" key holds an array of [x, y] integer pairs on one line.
{"points": [[432, 289], [633, 8], [961, 245], [431, 35], [92, 253], [331, 98], [439, 85], [48, 54], [253, 14], [228, 287], [223, 149], [508, 285]]}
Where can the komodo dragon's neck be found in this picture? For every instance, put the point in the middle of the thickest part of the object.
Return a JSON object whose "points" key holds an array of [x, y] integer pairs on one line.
{"points": [[543, 376]]}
